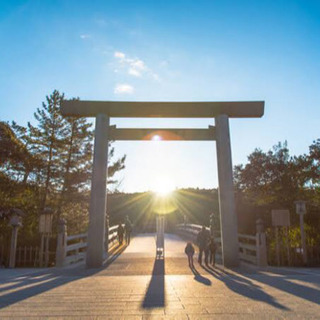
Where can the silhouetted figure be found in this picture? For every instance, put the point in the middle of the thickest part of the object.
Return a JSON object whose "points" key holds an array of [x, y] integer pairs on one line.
{"points": [[189, 251], [203, 241], [120, 233], [128, 230], [212, 251]]}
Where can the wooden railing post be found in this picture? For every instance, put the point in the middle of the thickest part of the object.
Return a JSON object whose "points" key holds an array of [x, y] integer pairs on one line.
{"points": [[106, 238], [261, 242], [61, 243], [15, 223]]}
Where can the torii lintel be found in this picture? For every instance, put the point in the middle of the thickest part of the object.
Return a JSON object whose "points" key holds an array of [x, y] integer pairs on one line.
{"points": [[143, 109], [161, 134]]}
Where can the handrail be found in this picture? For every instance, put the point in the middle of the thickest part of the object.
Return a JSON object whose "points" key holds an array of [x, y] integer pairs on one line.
{"points": [[77, 236], [247, 236], [76, 246], [72, 251], [248, 246]]}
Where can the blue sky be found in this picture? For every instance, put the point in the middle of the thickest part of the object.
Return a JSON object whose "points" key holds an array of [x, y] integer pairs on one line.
{"points": [[169, 50]]}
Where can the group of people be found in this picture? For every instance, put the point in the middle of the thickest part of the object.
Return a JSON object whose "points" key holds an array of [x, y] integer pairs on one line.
{"points": [[205, 242], [125, 231], [207, 247]]}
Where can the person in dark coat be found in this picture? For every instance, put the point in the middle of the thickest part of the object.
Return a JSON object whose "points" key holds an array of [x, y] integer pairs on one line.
{"points": [[120, 233], [127, 229], [212, 251], [189, 251], [203, 242]]}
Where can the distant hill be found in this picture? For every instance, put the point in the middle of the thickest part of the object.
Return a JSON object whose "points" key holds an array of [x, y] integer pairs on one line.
{"points": [[142, 208]]}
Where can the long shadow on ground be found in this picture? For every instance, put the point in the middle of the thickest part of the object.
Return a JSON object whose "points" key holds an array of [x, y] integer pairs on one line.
{"points": [[198, 277], [285, 284], [244, 287], [155, 295], [32, 284]]}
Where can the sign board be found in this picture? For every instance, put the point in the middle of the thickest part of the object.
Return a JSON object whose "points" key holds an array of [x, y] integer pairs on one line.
{"points": [[280, 218], [45, 223], [300, 207]]}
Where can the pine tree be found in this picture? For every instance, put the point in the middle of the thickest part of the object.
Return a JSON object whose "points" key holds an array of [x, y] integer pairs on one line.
{"points": [[76, 158], [46, 141], [15, 159], [115, 166], [61, 162]]}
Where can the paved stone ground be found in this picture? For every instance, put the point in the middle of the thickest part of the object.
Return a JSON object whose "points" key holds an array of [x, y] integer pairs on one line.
{"points": [[136, 286]]}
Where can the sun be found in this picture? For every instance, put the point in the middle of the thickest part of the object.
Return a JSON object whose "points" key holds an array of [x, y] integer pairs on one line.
{"points": [[163, 186]]}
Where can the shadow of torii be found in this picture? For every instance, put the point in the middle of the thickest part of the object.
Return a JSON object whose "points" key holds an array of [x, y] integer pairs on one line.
{"points": [[155, 295]]}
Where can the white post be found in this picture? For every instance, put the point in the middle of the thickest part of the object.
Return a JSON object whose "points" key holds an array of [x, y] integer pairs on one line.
{"points": [[41, 251], [61, 243], [160, 235], [106, 238], [98, 201], [46, 260], [228, 218], [13, 247], [261, 244], [303, 241]]}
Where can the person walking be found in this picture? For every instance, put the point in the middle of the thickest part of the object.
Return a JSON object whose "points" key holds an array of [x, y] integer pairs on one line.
{"points": [[128, 230], [120, 233], [189, 251], [203, 242], [212, 251]]}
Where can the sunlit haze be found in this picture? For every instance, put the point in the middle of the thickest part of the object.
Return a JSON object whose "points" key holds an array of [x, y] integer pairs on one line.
{"points": [[163, 186], [169, 51]]}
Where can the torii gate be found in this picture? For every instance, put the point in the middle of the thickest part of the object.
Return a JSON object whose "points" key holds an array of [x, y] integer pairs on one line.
{"points": [[104, 110]]}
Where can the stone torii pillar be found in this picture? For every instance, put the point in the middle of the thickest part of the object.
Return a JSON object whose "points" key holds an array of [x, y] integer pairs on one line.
{"points": [[98, 201], [228, 217]]}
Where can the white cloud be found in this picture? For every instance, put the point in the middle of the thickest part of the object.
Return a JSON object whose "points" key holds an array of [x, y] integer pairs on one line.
{"points": [[119, 55], [137, 64], [85, 36], [134, 72], [123, 88], [134, 66]]}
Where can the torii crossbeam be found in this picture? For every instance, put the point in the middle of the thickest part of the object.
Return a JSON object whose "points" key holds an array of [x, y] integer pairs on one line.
{"points": [[220, 111]]}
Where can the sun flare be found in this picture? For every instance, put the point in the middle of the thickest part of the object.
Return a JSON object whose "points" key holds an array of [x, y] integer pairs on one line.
{"points": [[163, 186]]}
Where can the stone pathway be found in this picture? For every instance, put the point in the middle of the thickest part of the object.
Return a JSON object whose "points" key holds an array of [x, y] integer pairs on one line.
{"points": [[136, 286]]}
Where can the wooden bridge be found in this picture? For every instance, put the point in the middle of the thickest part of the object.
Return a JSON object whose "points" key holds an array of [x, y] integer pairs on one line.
{"points": [[252, 248], [132, 284]]}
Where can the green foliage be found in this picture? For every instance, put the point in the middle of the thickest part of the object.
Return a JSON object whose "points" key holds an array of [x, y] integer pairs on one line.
{"points": [[48, 163], [274, 180], [314, 160]]}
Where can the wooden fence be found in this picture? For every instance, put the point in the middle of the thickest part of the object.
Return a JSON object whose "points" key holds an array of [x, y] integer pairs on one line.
{"points": [[26, 256]]}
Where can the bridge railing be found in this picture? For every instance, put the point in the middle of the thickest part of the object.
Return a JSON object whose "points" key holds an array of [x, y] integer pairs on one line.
{"points": [[247, 248], [76, 250], [252, 248], [72, 249]]}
